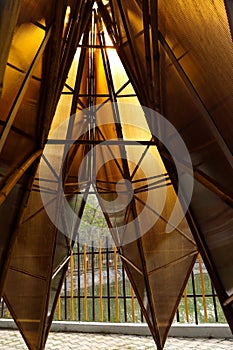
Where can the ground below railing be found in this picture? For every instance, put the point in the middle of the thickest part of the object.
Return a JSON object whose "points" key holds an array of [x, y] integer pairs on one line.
{"points": [[177, 330]]}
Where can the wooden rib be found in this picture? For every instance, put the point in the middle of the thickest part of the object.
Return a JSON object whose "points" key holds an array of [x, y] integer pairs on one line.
{"points": [[174, 262], [131, 264]]}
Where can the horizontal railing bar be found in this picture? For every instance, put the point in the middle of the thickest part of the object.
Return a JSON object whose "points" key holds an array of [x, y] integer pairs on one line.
{"points": [[122, 297], [97, 297]]}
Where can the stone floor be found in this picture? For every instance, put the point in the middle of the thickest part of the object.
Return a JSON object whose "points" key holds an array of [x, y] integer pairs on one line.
{"points": [[12, 340]]}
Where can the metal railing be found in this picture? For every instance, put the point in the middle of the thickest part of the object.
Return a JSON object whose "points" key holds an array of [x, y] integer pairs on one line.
{"points": [[96, 288]]}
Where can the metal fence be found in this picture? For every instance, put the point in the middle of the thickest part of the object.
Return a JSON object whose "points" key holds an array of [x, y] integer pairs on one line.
{"points": [[96, 288]]}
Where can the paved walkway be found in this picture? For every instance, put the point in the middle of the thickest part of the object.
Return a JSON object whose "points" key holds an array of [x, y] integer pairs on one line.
{"points": [[12, 340]]}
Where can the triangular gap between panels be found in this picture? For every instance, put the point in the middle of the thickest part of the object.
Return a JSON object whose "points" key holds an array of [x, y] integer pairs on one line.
{"points": [[93, 222]]}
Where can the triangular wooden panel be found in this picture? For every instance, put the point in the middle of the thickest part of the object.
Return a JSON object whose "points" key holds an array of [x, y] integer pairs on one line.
{"points": [[168, 292], [34, 258]]}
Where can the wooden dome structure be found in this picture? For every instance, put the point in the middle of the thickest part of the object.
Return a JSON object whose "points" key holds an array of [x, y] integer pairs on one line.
{"points": [[57, 60]]}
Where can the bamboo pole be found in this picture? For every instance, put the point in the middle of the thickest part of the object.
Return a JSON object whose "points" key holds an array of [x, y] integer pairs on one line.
{"points": [[132, 302], [101, 286], [202, 288], [186, 305], [59, 308], [72, 286], [116, 284], [85, 282], [8, 314]]}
